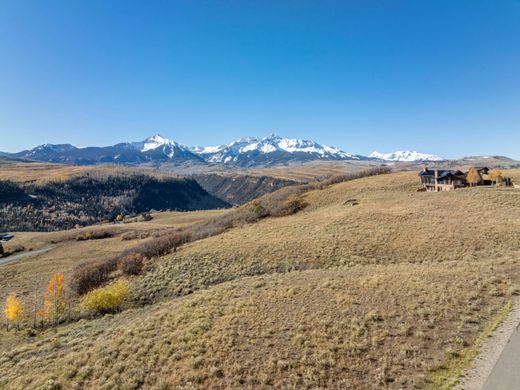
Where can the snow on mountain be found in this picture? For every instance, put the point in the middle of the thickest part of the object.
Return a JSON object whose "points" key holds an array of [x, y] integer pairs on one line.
{"points": [[152, 149], [244, 152], [272, 149], [48, 148], [155, 142], [159, 143], [408, 156]]}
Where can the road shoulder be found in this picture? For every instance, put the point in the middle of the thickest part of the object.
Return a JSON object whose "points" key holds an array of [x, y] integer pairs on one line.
{"points": [[475, 376]]}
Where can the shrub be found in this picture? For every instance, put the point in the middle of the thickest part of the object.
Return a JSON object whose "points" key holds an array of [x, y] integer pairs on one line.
{"points": [[161, 245], [87, 276], [134, 235], [94, 235], [15, 248], [106, 299], [131, 264]]}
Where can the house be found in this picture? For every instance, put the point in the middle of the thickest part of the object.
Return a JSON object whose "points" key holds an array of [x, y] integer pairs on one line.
{"points": [[435, 180]]}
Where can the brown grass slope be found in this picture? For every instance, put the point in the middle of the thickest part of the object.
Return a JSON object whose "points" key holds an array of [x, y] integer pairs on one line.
{"points": [[31, 275], [373, 285], [358, 327], [391, 223]]}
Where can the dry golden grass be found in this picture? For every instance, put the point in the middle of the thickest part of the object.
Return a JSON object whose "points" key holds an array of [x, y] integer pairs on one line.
{"points": [[39, 172], [313, 170], [42, 172], [31, 273], [360, 327], [373, 285], [392, 223]]}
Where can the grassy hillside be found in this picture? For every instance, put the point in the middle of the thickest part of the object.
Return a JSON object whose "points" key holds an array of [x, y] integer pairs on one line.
{"points": [[372, 285], [361, 327], [65, 252], [376, 220]]}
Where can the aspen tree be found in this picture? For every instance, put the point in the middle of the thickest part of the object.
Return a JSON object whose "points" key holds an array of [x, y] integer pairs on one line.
{"points": [[13, 310]]}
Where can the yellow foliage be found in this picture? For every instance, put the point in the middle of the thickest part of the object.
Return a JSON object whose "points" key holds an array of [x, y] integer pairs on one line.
{"points": [[496, 175], [13, 307], [106, 299], [53, 302], [473, 176]]}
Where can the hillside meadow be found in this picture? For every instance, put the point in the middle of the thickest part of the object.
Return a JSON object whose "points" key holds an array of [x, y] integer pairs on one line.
{"points": [[29, 276], [372, 285]]}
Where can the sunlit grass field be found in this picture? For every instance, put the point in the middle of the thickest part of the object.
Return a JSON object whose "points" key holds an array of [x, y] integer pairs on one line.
{"points": [[373, 285]]}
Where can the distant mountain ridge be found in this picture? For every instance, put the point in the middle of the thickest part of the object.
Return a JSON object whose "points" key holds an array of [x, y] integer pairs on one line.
{"points": [[152, 149], [271, 150], [244, 152], [407, 156]]}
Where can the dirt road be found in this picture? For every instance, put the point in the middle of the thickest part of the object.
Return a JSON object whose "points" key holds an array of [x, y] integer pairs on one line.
{"points": [[14, 258]]}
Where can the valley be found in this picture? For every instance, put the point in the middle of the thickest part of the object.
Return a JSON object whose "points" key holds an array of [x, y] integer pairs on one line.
{"points": [[95, 196], [370, 284], [228, 195]]}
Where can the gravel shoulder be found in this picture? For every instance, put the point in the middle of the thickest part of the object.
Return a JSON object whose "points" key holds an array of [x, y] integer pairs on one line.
{"points": [[476, 376]]}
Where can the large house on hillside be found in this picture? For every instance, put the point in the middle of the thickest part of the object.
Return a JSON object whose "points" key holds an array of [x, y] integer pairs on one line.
{"points": [[435, 180]]}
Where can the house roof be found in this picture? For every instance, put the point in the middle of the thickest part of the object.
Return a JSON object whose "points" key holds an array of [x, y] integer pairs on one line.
{"points": [[443, 173]]}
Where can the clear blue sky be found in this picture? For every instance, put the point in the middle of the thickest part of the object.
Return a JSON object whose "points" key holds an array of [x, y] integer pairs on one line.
{"points": [[436, 76]]}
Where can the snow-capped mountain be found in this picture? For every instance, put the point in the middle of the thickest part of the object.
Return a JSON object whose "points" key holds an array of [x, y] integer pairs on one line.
{"points": [[408, 156], [152, 149], [244, 152], [252, 151], [159, 147]]}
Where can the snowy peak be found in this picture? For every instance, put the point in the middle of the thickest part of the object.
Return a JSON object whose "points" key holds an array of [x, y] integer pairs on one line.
{"points": [[151, 150], [158, 145], [271, 149], [244, 152], [52, 148], [156, 141], [407, 156]]}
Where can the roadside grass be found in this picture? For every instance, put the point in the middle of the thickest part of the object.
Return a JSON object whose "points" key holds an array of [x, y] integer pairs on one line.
{"points": [[447, 377]]}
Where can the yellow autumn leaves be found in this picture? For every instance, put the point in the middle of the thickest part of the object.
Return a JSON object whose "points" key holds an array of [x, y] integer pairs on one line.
{"points": [[53, 300], [101, 300], [53, 303], [106, 299], [13, 309]]}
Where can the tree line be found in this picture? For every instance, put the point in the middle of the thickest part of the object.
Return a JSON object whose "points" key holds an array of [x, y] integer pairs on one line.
{"points": [[87, 199]]}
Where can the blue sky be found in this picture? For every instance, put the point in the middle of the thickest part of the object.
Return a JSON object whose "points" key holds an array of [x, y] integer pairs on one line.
{"points": [[436, 76]]}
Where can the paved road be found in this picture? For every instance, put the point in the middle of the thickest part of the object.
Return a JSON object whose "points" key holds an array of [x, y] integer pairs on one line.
{"points": [[12, 259], [506, 373]]}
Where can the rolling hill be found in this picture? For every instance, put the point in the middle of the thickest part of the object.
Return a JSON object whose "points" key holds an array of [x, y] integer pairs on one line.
{"points": [[371, 285]]}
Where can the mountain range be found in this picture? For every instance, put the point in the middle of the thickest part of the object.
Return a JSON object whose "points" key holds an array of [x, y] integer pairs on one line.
{"points": [[409, 156], [271, 150], [245, 152]]}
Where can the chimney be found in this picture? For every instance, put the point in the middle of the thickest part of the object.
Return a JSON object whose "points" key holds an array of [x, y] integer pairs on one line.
{"points": [[436, 174], [425, 169]]}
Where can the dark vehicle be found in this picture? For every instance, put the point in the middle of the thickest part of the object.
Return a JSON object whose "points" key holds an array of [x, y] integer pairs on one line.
{"points": [[5, 237]]}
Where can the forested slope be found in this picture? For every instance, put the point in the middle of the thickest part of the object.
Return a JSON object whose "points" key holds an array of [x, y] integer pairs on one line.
{"points": [[93, 197]]}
